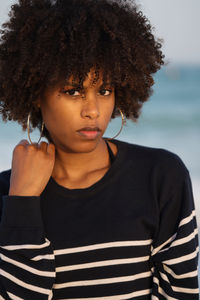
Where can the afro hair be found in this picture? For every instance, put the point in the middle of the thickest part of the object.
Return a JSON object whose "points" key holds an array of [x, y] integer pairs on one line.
{"points": [[44, 42]]}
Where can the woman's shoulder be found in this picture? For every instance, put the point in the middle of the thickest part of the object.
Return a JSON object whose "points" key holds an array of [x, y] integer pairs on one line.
{"points": [[4, 185], [157, 158], [5, 181]]}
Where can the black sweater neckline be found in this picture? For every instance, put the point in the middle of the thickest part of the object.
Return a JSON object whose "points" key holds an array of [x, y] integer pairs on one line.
{"points": [[108, 176]]}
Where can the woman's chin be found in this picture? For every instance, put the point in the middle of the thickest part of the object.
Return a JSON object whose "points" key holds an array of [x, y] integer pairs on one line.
{"points": [[81, 145]]}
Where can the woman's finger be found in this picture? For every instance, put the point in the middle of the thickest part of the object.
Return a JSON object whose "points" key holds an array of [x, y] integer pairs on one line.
{"points": [[43, 146], [24, 142], [51, 149]]}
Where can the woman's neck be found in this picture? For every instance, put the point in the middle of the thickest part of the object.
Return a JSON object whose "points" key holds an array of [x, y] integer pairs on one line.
{"points": [[71, 167]]}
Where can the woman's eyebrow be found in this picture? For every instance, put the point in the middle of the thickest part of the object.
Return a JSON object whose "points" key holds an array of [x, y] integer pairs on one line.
{"points": [[72, 84], [78, 85]]}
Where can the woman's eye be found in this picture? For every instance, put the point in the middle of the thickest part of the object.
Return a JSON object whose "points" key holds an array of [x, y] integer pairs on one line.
{"points": [[71, 92], [106, 90]]}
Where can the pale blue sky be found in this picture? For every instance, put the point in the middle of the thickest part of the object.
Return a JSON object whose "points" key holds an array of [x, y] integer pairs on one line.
{"points": [[176, 21]]}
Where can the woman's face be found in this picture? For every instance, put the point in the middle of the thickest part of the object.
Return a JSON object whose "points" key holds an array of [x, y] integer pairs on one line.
{"points": [[76, 119]]}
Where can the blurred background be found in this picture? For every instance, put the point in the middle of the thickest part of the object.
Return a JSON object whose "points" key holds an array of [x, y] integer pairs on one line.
{"points": [[171, 117]]}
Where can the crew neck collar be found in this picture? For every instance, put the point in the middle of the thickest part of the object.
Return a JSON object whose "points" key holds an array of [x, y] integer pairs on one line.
{"points": [[108, 176]]}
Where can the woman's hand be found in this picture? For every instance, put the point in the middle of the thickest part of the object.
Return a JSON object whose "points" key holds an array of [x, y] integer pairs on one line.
{"points": [[32, 166]]}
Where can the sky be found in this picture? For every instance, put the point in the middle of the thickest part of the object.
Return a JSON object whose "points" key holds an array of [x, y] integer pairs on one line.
{"points": [[177, 22]]}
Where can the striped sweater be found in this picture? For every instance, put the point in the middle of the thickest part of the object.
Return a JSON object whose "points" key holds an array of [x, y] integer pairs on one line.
{"points": [[131, 235]]}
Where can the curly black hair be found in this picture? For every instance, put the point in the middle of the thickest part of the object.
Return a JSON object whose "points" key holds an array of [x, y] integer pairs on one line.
{"points": [[44, 42]]}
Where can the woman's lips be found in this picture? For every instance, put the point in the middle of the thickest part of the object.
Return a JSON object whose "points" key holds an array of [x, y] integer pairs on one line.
{"points": [[89, 133]]}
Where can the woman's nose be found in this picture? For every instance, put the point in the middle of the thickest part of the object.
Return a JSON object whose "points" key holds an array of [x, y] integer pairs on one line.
{"points": [[90, 108]]}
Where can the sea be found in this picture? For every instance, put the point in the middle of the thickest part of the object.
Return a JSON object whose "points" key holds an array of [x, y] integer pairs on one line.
{"points": [[170, 119]]}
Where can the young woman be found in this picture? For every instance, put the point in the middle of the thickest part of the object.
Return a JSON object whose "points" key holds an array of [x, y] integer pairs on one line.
{"points": [[82, 216]]}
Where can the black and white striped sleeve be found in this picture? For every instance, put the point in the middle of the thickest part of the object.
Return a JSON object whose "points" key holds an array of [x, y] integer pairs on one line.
{"points": [[175, 249], [27, 264]]}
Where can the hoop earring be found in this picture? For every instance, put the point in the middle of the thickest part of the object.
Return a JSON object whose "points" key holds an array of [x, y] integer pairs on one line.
{"points": [[123, 123], [28, 128]]}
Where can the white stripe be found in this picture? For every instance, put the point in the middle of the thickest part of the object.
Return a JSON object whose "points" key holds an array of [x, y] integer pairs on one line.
{"points": [[46, 256], [102, 263], [26, 246], [179, 289], [164, 277], [172, 238], [103, 281], [27, 268], [160, 290], [14, 297], [102, 246], [1, 298], [157, 249], [181, 276], [154, 297], [187, 219], [185, 290], [23, 284], [50, 295], [182, 240], [116, 297], [152, 269], [182, 258]]}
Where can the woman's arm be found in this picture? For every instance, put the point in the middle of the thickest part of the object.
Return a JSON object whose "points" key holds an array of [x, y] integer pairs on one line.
{"points": [[175, 249], [27, 265]]}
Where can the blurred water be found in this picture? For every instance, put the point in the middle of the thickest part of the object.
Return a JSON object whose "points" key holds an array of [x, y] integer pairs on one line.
{"points": [[169, 120]]}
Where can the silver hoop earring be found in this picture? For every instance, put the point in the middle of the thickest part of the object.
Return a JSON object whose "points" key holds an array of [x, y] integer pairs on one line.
{"points": [[28, 128], [122, 124]]}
